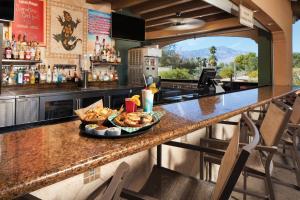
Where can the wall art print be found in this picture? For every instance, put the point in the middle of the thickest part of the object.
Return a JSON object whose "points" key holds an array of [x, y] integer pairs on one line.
{"points": [[99, 25], [65, 30], [30, 20]]}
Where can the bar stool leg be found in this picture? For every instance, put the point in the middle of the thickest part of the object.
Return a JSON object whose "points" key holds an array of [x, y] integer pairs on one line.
{"points": [[245, 185], [269, 186], [158, 156]]}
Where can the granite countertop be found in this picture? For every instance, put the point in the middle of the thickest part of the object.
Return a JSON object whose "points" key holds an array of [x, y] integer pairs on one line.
{"points": [[36, 157], [16, 92]]}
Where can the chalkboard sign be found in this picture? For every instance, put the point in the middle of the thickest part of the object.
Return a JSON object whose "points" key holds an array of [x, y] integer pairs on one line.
{"points": [[30, 20]]}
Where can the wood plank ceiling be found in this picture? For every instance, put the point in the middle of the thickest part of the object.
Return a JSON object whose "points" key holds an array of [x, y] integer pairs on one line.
{"points": [[157, 13]]}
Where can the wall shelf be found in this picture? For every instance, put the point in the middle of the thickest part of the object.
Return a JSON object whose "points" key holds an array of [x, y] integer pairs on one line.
{"points": [[98, 63], [20, 62]]}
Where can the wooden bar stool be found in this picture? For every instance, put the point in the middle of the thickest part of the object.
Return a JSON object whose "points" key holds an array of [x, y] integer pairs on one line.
{"points": [[167, 184], [260, 162]]}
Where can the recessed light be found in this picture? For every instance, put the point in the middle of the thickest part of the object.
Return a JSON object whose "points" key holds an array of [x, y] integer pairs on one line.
{"points": [[255, 11], [270, 24]]}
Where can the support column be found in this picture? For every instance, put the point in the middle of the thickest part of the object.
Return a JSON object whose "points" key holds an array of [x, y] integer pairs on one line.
{"points": [[264, 58], [282, 59]]}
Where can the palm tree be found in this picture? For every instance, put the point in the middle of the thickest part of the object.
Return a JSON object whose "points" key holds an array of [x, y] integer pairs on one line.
{"points": [[212, 58]]}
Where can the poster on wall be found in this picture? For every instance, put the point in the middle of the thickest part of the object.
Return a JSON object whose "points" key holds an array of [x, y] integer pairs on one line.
{"points": [[65, 31], [30, 20], [99, 26]]}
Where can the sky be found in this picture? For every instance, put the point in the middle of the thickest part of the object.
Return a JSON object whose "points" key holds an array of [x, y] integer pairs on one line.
{"points": [[296, 37], [238, 43]]}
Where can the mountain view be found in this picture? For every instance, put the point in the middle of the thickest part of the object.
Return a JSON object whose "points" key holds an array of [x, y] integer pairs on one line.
{"points": [[223, 54]]}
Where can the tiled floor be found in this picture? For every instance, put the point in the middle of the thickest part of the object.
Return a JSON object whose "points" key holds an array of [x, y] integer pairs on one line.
{"points": [[281, 192]]}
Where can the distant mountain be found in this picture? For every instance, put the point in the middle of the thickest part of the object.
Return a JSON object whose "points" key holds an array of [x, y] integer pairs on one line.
{"points": [[224, 54]]}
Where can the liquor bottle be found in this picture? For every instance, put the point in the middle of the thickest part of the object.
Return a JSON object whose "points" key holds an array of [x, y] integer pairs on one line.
{"points": [[7, 50], [20, 76], [55, 75], [32, 76], [43, 74], [76, 79], [59, 76], [94, 75], [49, 75], [37, 75], [106, 77], [103, 53], [18, 44], [11, 80], [63, 75], [27, 51], [97, 46], [22, 52], [4, 76], [15, 53], [37, 52], [32, 50], [26, 76]]}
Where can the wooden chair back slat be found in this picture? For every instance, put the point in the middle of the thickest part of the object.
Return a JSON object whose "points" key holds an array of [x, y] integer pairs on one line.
{"points": [[295, 117], [274, 123], [234, 161]]}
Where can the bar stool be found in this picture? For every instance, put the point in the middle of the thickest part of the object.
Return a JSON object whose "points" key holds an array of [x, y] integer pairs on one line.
{"points": [[109, 190], [167, 184], [291, 139], [260, 163]]}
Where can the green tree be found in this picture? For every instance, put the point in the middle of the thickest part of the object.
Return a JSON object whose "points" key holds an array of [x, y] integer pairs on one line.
{"points": [[253, 74], [176, 73], [296, 60], [213, 58], [170, 57], [226, 72], [246, 62]]}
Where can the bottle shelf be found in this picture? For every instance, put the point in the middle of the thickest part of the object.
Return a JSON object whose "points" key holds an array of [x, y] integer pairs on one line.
{"points": [[19, 62], [99, 63]]}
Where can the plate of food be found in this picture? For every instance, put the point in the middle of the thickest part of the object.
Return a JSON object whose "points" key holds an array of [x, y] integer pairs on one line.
{"points": [[135, 121], [95, 113]]}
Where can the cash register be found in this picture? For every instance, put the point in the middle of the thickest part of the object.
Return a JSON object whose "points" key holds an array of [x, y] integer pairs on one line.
{"points": [[207, 83]]}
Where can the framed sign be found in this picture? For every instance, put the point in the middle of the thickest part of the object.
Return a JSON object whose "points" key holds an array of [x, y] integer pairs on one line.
{"points": [[30, 19], [66, 37], [246, 16], [99, 25]]}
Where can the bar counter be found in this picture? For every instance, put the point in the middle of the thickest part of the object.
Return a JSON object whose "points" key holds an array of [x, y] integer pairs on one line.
{"points": [[36, 157]]}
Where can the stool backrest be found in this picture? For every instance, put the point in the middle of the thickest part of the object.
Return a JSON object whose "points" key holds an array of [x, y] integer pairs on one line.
{"points": [[275, 122], [295, 117], [234, 161]]}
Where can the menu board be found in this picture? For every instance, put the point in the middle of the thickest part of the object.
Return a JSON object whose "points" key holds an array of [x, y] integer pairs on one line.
{"points": [[30, 20], [99, 24]]}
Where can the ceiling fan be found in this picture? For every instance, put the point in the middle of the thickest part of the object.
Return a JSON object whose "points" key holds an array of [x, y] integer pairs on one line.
{"points": [[181, 23]]}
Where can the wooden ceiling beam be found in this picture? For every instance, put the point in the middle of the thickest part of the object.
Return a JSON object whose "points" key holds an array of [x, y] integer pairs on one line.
{"points": [[193, 14], [122, 4], [213, 26], [154, 5], [170, 11], [207, 18]]}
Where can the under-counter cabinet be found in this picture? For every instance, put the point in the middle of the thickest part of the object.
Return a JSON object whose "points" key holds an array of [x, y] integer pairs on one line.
{"points": [[57, 107], [7, 112], [27, 110]]}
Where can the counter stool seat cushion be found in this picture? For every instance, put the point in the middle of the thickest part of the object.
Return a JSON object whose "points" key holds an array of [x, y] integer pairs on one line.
{"points": [[164, 183], [286, 137], [255, 164]]}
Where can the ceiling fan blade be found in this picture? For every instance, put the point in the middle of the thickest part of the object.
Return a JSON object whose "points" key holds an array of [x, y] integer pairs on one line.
{"points": [[185, 24]]}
